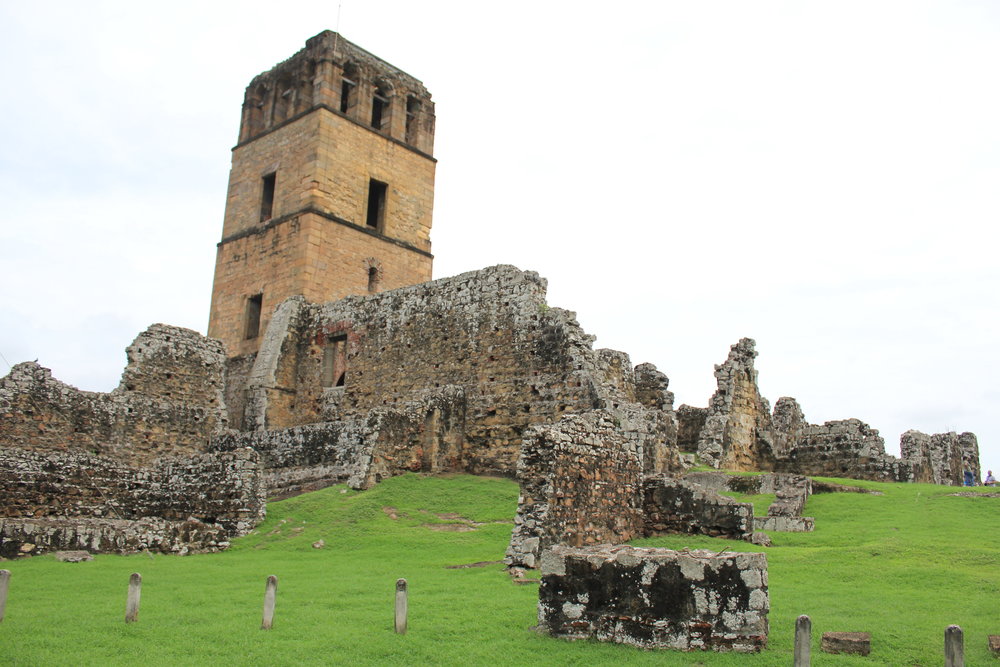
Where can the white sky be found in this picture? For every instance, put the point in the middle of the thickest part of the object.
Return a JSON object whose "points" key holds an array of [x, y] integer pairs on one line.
{"points": [[820, 176]]}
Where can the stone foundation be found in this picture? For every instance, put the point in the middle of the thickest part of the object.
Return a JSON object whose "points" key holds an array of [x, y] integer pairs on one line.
{"points": [[655, 598]]}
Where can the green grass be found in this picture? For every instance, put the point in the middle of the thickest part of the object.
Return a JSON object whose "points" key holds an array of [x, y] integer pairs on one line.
{"points": [[902, 566]]}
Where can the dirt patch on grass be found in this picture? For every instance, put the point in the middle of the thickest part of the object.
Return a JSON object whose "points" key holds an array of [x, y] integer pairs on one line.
{"points": [[450, 527]]}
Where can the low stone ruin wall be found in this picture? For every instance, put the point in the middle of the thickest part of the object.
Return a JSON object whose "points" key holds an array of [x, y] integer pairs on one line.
{"points": [[941, 458], [580, 485], [845, 448], [655, 598], [28, 537], [416, 436], [57, 500], [672, 505]]}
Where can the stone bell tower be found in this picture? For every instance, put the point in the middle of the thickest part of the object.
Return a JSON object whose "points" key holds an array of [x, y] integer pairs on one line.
{"points": [[331, 188]]}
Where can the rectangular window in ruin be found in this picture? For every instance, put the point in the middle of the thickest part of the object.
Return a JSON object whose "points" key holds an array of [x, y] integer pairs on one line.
{"points": [[267, 197], [412, 109], [380, 105], [253, 315], [375, 217], [347, 88], [335, 361]]}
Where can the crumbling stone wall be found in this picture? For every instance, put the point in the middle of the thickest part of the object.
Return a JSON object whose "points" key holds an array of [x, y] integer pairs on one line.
{"points": [[788, 421], [845, 448], [57, 494], [423, 435], [170, 401], [941, 458], [674, 505], [655, 598], [490, 333], [737, 431], [580, 485]]}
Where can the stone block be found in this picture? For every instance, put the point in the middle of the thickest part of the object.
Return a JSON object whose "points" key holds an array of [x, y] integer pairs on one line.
{"points": [[994, 643], [858, 643], [655, 598]]}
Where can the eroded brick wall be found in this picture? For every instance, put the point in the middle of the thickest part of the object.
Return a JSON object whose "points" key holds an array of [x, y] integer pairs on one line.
{"points": [[655, 598], [170, 401]]}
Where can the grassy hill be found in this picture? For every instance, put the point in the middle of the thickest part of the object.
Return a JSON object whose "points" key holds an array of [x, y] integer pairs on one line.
{"points": [[902, 566]]}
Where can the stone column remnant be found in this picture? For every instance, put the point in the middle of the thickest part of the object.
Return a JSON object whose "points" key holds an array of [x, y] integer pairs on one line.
{"points": [[803, 641], [134, 593], [270, 592], [402, 606]]}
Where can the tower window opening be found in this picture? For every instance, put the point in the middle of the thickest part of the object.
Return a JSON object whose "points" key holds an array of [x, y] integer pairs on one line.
{"points": [[254, 304], [267, 197], [412, 109], [334, 371], [375, 217], [380, 105], [347, 88]]}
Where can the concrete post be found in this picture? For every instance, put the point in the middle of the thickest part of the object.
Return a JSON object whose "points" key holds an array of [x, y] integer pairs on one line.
{"points": [[803, 641], [270, 590], [954, 647], [134, 592], [401, 606], [4, 585]]}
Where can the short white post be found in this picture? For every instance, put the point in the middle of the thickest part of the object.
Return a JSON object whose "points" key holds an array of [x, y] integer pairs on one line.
{"points": [[4, 585], [954, 647], [803, 641], [401, 606], [270, 590], [134, 592]]}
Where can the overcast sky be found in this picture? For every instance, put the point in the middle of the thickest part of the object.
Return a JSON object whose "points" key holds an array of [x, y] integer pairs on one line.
{"points": [[823, 177]]}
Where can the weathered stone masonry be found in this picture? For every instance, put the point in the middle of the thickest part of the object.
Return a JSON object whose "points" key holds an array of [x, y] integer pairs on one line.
{"points": [[170, 402], [655, 598], [507, 360], [60, 500]]}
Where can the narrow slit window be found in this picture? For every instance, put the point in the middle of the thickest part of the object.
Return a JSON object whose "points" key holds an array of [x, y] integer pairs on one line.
{"points": [[412, 109], [375, 218], [267, 198], [347, 88], [380, 105], [374, 278], [253, 315], [335, 362]]}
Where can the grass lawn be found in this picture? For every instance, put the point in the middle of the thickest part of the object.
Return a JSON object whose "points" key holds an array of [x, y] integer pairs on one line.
{"points": [[903, 566]]}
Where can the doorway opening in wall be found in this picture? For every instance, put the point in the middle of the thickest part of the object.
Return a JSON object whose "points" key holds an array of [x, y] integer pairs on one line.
{"points": [[375, 217], [334, 373], [267, 197], [253, 315]]}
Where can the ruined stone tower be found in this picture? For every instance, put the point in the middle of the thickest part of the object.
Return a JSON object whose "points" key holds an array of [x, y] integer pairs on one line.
{"points": [[331, 188]]}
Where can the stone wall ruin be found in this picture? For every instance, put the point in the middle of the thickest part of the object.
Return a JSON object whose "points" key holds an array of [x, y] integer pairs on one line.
{"points": [[655, 598]]}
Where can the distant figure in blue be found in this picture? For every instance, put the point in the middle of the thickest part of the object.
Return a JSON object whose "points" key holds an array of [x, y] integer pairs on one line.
{"points": [[990, 479], [969, 481]]}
